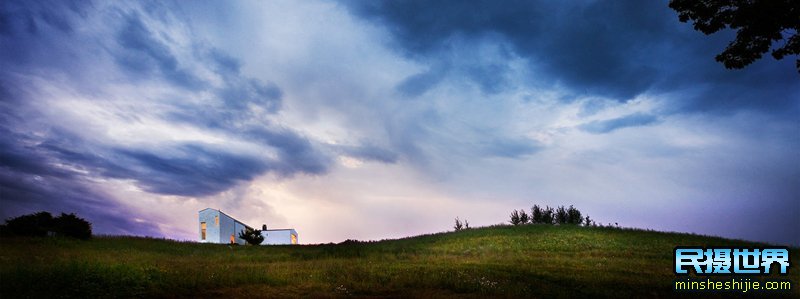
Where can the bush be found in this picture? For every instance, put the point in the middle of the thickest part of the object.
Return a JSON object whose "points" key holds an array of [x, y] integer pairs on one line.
{"points": [[72, 226], [42, 223], [252, 236]]}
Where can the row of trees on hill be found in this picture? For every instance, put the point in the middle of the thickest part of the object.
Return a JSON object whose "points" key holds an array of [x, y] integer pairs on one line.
{"points": [[43, 224], [548, 215]]}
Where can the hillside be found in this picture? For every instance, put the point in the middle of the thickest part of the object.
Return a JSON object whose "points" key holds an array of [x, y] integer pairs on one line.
{"points": [[528, 261]]}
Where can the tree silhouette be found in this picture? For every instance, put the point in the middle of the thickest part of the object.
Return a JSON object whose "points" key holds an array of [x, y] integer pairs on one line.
{"points": [[523, 217], [252, 236], [42, 224], [759, 23], [458, 226], [515, 217]]}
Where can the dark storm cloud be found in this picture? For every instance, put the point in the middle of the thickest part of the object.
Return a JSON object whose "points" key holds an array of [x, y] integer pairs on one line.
{"points": [[193, 170], [32, 179], [142, 53], [616, 49], [632, 120], [296, 154]]}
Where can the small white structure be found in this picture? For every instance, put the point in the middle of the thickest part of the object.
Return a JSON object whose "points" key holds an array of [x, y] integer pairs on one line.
{"points": [[220, 228], [279, 236]]}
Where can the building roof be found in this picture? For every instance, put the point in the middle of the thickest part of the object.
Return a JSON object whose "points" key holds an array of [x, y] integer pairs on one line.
{"points": [[223, 213]]}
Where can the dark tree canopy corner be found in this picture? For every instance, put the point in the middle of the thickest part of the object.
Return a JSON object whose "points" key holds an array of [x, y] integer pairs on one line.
{"points": [[758, 24]]}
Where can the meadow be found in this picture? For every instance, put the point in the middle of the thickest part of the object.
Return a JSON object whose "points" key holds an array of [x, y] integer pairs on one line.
{"points": [[529, 261]]}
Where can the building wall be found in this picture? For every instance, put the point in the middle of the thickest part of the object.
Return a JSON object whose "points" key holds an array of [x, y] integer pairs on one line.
{"points": [[279, 237], [212, 230], [217, 232], [226, 228], [238, 227]]}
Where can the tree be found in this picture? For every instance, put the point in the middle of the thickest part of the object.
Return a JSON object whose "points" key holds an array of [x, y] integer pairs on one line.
{"points": [[561, 215], [32, 225], [515, 218], [252, 236], [523, 217], [458, 226], [758, 24], [547, 215], [466, 224], [42, 224], [72, 226], [536, 214], [587, 221], [574, 216]]}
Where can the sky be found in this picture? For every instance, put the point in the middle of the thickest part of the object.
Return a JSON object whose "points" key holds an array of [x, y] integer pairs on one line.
{"points": [[372, 120]]}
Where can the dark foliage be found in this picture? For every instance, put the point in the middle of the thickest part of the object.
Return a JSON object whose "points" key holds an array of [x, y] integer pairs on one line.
{"points": [[32, 225], [42, 224], [548, 215], [72, 226], [574, 216], [523, 217], [561, 215], [758, 24], [515, 218], [458, 226], [588, 221], [536, 214], [252, 236]]}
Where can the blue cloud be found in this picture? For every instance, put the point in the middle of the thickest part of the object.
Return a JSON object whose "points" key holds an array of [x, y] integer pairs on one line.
{"points": [[142, 52], [370, 152], [631, 120], [510, 148], [417, 84]]}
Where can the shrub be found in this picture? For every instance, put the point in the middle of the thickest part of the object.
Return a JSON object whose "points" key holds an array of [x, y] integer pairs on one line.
{"points": [[252, 236]]}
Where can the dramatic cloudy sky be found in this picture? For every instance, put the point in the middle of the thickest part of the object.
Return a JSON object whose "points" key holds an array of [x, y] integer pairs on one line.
{"points": [[372, 120]]}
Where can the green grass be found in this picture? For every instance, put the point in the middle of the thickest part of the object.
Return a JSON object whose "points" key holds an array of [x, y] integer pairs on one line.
{"points": [[533, 261]]}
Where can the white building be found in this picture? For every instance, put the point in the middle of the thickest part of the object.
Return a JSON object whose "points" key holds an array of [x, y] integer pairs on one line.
{"points": [[279, 237], [220, 228]]}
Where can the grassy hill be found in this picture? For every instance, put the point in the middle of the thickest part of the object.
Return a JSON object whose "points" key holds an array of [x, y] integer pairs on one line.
{"points": [[539, 261]]}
